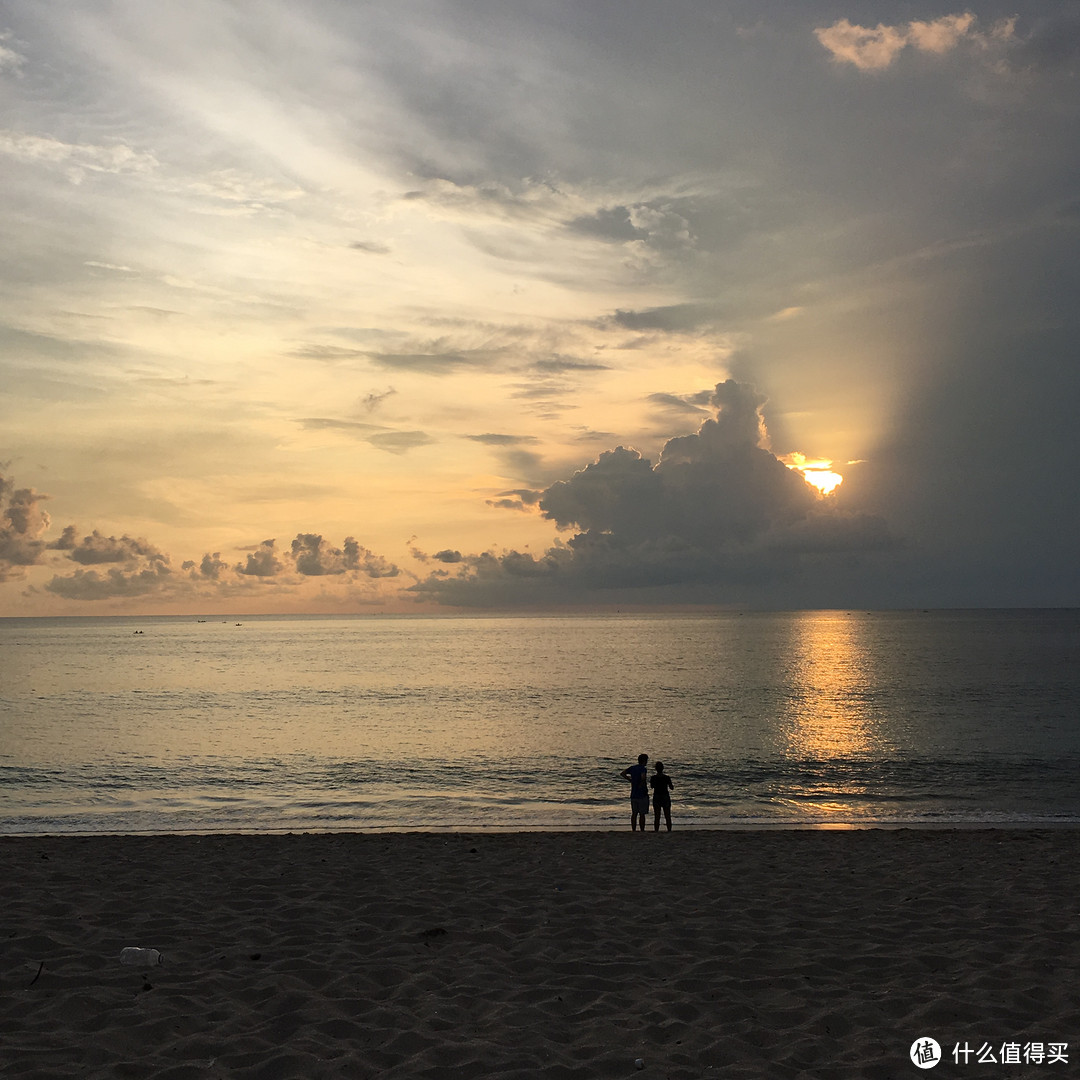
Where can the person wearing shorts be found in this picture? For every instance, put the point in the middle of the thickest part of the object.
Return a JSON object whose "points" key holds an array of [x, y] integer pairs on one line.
{"points": [[661, 796], [638, 775]]}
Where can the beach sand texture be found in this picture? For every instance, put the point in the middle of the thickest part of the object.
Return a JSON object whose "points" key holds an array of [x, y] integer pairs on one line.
{"points": [[707, 954]]}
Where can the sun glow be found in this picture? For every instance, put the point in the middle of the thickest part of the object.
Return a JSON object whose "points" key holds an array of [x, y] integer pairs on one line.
{"points": [[817, 472]]}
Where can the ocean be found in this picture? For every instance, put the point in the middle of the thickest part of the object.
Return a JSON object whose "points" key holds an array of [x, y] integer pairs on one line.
{"points": [[799, 719]]}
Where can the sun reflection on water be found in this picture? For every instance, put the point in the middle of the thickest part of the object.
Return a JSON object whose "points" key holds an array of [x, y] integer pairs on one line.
{"points": [[827, 713]]}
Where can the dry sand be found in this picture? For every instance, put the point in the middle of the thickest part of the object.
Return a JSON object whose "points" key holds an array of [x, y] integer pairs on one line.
{"points": [[707, 954]]}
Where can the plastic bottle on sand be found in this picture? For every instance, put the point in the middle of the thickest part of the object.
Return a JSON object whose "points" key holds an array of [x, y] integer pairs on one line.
{"points": [[136, 957]]}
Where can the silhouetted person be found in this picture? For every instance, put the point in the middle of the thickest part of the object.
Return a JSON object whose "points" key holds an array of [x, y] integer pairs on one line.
{"points": [[639, 790], [662, 788]]}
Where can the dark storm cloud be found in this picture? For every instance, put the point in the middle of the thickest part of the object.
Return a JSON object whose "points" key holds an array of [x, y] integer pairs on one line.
{"points": [[716, 509]]}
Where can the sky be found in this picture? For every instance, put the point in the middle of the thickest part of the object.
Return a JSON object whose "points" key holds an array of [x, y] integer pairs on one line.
{"points": [[504, 305]]}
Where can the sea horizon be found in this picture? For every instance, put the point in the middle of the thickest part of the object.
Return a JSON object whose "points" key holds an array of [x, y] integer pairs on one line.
{"points": [[457, 722]]}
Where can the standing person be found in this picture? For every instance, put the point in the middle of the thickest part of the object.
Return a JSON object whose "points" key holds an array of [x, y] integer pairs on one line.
{"points": [[639, 790], [662, 788]]}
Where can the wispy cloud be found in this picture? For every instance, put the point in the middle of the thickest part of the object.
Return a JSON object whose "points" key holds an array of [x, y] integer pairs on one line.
{"points": [[78, 159]]}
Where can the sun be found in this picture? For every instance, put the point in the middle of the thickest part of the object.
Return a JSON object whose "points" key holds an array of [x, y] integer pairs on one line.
{"points": [[817, 473], [825, 480]]}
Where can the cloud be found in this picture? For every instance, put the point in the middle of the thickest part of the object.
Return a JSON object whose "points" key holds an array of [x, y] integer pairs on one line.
{"points": [[612, 224], [506, 200], [140, 567], [507, 504], [941, 35], [96, 549], [674, 318], [136, 568], [373, 401], [526, 495], [522, 499], [262, 562], [429, 363], [10, 60], [77, 159], [371, 247], [655, 223], [115, 583], [400, 442], [310, 556], [684, 403], [717, 508], [495, 439], [1053, 42], [378, 435], [876, 48], [315, 558], [210, 567], [562, 364], [323, 423], [23, 523], [328, 353], [68, 539]]}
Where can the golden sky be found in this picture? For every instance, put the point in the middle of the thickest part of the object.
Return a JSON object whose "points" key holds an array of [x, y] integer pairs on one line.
{"points": [[405, 306]]}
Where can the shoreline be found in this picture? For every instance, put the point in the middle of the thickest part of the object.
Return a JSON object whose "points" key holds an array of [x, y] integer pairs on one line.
{"points": [[369, 829], [705, 952]]}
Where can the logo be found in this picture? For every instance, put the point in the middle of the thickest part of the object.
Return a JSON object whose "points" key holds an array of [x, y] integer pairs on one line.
{"points": [[925, 1052]]}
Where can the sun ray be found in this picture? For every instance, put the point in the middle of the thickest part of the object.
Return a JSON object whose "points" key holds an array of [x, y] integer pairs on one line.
{"points": [[817, 472]]}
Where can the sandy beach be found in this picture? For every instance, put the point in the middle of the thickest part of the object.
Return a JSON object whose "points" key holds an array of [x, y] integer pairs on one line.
{"points": [[699, 954]]}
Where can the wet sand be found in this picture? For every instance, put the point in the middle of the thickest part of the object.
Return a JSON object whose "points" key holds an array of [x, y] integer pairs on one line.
{"points": [[703, 954]]}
